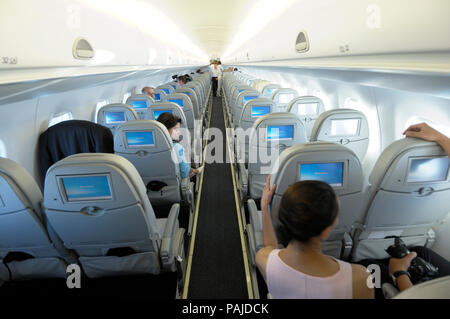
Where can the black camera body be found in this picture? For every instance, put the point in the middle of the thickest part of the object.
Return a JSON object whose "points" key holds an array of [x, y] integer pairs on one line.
{"points": [[420, 270]]}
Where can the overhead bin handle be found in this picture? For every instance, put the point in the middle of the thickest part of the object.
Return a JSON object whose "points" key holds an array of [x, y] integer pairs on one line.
{"points": [[302, 42]]}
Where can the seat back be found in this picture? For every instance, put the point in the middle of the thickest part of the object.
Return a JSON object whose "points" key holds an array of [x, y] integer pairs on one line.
{"points": [[408, 195], [193, 98], [140, 103], [244, 97], [148, 146], [253, 109], [160, 95], [334, 164], [196, 86], [433, 289], [97, 204], [112, 115], [344, 126], [272, 134], [268, 89], [166, 88], [72, 137], [22, 228], [282, 97], [308, 108]]}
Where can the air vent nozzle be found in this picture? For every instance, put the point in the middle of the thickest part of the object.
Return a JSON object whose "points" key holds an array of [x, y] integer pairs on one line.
{"points": [[82, 49], [302, 42]]}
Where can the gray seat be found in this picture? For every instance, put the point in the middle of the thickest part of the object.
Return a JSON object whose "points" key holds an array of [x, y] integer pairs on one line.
{"points": [[282, 97], [434, 289], [23, 231], [140, 103], [98, 205], [160, 95], [344, 126], [166, 88], [193, 98], [112, 115], [237, 107], [408, 195], [305, 162], [308, 108], [268, 89], [272, 134]]}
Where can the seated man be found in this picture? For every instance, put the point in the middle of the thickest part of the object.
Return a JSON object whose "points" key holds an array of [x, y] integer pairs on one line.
{"points": [[182, 80], [398, 267], [149, 91]]}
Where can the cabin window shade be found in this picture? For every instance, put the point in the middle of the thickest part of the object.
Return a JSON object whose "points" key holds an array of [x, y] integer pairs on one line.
{"points": [[302, 42]]}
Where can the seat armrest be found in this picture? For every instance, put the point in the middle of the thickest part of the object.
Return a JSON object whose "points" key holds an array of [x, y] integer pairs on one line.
{"points": [[244, 178], [347, 245], [255, 224], [167, 242], [389, 291]]}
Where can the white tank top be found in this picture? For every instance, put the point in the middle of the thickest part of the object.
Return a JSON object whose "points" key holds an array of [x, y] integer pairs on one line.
{"points": [[285, 282]]}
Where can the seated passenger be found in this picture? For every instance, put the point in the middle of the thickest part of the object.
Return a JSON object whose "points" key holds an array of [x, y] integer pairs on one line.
{"points": [[398, 267], [308, 212], [172, 123], [149, 91]]}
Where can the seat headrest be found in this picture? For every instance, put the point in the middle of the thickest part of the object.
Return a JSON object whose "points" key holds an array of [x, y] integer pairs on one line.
{"points": [[330, 162], [18, 189], [139, 101], [255, 108], [306, 106], [409, 164], [147, 136], [112, 115], [167, 89], [160, 107], [181, 99], [283, 95], [269, 88]]}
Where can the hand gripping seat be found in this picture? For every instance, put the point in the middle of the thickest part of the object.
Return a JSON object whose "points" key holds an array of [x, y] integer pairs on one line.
{"points": [[98, 205], [408, 194], [140, 103], [26, 249], [344, 126], [272, 134], [112, 115], [308, 108], [302, 162]]}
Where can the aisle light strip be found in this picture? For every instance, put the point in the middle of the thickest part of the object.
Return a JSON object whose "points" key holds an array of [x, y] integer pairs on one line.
{"points": [[197, 206]]}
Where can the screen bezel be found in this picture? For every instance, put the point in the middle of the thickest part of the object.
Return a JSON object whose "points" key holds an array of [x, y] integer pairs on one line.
{"points": [[411, 158], [115, 122], [344, 171], [280, 139], [138, 146], [358, 129], [63, 192]]}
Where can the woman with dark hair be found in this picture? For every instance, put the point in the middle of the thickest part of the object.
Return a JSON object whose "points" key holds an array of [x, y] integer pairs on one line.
{"points": [[172, 123], [308, 212]]}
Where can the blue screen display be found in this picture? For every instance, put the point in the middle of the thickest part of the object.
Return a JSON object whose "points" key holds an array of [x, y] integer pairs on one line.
{"points": [[248, 98], [269, 92], [157, 97], [177, 101], [157, 113], [84, 188], [331, 173], [143, 138], [139, 104], [280, 132], [174, 87], [167, 91], [258, 111], [192, 88], [431, 169], [240, 91], [114, 117]]}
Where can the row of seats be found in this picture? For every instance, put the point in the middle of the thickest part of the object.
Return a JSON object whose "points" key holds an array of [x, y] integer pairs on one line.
{"points": [[406, 191], [97, 208]]}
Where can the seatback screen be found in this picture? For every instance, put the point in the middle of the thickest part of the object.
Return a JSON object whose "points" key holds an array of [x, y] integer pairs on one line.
{"points": [[139, 138], [248, 98], [167, 91], [432, 169], [258, 111], [192, 88], [344, 127], [285, 98], [157, 97], [114, 117], [331, 173], [177, 101], [269, 92], [157, 113], [307, 109], [139, 104], [280, 132], [86, 188]]}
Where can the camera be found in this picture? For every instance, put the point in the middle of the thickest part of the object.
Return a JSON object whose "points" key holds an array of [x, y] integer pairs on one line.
{"points": [[420, 270]]}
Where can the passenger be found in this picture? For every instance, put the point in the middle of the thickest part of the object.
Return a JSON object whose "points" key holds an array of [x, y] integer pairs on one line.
{"points": [[182, 80], [199, 71], [172, 123], [308, 212], [390, 266], [149, 91]]}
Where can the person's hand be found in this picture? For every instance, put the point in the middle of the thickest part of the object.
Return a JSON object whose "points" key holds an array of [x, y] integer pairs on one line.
{"points": [[267, 194], [423, 131], [397, 264]]}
